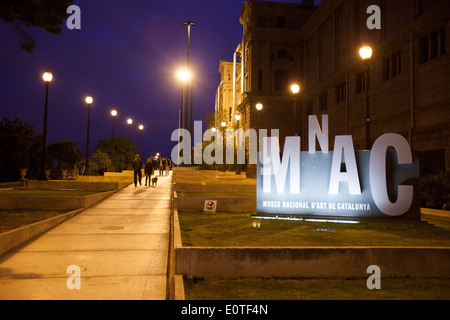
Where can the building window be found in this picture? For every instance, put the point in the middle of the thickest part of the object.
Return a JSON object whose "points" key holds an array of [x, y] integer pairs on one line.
{"points": [[432, 45], [442, 40], [341, 92], [423, 49], [260, 79], [282, 54], [281, 80], [323, 102], [280, 23], [392, 66]]}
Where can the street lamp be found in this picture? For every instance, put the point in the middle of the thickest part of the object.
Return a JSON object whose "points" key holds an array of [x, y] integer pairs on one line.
{"points": [[130, 122], [237, 117], [114, 114], [223, 125], [184, 75], [47, 76], [189, 24], [259, 107], [141, 127], [89, 101], [295, 89], [365, 53]]}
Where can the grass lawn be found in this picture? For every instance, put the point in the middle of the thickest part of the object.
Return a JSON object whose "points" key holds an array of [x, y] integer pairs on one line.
{"points": [[16, 218], [43, 193], [317, 289], [240, 229]]}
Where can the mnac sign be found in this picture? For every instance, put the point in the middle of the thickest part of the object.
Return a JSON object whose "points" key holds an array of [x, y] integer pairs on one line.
{"points": [[380, 183]]}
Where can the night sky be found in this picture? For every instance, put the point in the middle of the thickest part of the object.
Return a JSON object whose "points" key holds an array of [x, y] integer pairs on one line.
{"points": [[126, 56]]}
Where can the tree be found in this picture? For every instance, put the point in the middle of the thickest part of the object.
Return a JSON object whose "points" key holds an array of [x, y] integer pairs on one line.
{"points": [[99, 163], [63, 155], [24, 14], [20, 147], [120, 151]]}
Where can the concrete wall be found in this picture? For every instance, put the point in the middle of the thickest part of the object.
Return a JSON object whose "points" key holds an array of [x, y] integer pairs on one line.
{"points": [[74, 185], [53, 202], [352, 262], [16, 237], [307, 262]]}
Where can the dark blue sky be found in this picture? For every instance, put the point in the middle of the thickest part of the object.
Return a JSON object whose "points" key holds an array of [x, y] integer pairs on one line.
{"points": [[126, 56]]}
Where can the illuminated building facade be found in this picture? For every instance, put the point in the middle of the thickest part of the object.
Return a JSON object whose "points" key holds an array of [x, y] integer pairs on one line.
{"points": [[408, 87]]}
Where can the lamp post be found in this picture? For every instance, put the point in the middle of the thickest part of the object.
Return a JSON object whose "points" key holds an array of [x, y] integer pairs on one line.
{"points": [[47, 76], [188, 24], [237, 117], [259, 107], [89, 101], [184, 75], [365, 53], [223, 125], [130, 122], [141, 127], [295, 89], [114, 114]]}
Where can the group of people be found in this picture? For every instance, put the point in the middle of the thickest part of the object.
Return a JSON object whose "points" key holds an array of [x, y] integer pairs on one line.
{"points": [[153, 163]]}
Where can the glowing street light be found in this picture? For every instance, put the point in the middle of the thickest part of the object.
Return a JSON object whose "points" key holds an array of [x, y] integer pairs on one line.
{"points": [[365, 52], [47, 76], [295, 89], [130, 122], [184, 75], [89, 101]]}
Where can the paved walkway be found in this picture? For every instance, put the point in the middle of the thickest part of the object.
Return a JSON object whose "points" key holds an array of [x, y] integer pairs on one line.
{"points": [[119, 245]]}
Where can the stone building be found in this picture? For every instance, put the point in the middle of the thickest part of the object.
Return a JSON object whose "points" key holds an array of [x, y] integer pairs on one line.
{"points": [[405, 82]]}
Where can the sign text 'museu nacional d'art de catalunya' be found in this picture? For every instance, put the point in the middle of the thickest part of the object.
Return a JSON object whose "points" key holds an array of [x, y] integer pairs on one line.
{"points": [[381, 183]]}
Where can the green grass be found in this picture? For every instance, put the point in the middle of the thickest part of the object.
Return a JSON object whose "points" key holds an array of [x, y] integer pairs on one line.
{"points": [[16, 218], [317, 289], [240, 229], [214, 195], [43, 193]]}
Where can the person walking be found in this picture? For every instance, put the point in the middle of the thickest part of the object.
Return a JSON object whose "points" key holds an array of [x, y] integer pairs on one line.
{"points": [[148, 170], [137, 167], [161, 166], [168, 165]]}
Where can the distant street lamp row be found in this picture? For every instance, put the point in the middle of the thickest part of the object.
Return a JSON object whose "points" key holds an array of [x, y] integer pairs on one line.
{"points": [[48, 77]]}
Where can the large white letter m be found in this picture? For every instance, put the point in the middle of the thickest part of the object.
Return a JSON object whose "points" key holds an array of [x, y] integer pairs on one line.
{"points": [[272, 165]]}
